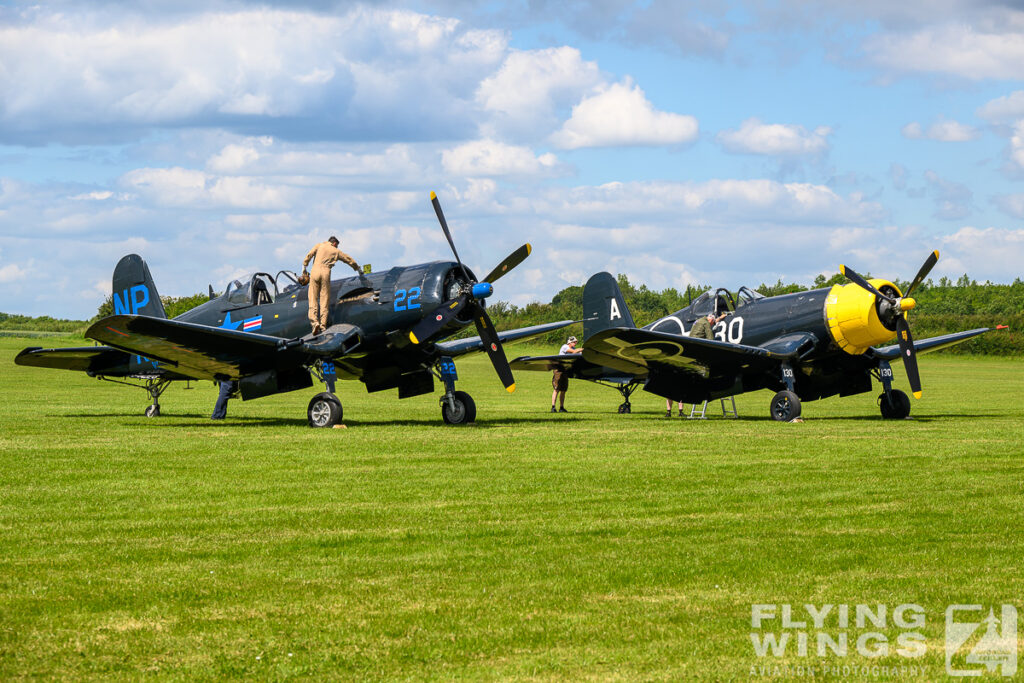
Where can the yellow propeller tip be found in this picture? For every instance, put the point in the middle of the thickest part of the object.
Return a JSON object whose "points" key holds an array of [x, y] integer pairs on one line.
{"points": [[511, 388], [917, 394], [936, 252], [529, 249], [432, 196], [842, 269], [413, 339]]}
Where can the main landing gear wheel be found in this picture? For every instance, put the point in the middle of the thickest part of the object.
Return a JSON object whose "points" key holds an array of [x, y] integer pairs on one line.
{"points": [[153, 410], [464, 410], [898, 409], [324, 410], [625, 408], [785, 406]]}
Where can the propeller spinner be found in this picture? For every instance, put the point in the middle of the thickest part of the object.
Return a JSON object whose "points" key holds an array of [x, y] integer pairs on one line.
{"points": [[471, 297], [894, 308]]}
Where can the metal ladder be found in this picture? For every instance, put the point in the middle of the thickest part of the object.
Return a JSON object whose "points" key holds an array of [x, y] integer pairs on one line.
{"points": [[703, 410]]}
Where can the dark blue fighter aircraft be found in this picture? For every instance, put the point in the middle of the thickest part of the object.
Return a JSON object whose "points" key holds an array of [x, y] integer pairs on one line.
{"points": [[805, 346], [385, 329]]}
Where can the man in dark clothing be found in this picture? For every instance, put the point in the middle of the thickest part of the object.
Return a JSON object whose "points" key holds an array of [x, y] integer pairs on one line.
{"points": [[220, 409]]}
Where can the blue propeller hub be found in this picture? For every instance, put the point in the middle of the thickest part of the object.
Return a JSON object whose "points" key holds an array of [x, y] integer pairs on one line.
{"points": [[482, 290]]}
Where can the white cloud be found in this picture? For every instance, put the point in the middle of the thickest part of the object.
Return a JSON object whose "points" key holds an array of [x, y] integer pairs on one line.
{"points": [[82, 73], [267, 156], [957, 49], [775, 139], [1010, 204], [708, 203], [1005, 109], [12, 272], [96, 196], [989, 253], [492, 158], [621, 115], [943, 130], [531, 86], [1017, 144], [191, 188]]}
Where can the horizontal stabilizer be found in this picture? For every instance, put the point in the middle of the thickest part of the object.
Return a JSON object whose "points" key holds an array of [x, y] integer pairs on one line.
{"points": [[892, 352], [458, 347], [95, 360]]}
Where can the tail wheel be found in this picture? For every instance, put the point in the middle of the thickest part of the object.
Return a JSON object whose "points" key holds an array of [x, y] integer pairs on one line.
{"points": [[324, 410], [785, 406], [898, 409], [153, 411], [464, 410]]}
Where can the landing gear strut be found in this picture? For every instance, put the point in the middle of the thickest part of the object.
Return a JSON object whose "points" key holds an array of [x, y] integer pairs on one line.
{"points": [[457, 407], [155, 385], [892, 403], [626, 390], [785, 405], [324, 409]]}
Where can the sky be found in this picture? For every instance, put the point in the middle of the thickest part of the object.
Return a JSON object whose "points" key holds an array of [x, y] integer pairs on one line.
{"points": [[723, 143]]}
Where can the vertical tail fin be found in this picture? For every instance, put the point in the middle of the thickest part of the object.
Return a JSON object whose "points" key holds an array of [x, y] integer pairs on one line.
{"points": [[603, 305], [134, 291]]}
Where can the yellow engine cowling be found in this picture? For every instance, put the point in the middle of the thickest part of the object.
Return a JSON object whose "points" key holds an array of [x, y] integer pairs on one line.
{"points": [[852, 317]]}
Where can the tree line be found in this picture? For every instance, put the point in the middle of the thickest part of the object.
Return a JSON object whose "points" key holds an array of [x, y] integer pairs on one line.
{"points": [[943, 306]]}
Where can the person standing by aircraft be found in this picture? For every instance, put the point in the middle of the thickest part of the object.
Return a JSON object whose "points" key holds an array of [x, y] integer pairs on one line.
{"points": [[702, 329], [668, 407], [220, 409], [559, 380], [323, 256]]}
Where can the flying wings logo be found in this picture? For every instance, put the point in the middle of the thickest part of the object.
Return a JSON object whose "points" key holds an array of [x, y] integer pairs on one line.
{"points": [[975, 644]]}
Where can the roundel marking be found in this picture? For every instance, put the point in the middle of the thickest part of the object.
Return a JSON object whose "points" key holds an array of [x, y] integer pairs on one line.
{"points": [[650, 349]]}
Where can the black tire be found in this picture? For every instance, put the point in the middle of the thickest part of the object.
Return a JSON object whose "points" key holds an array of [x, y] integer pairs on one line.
{"points": [[899, 409], [785, 406], [153, 411], [465, 409], [324, 410], [622, 408], [629, 409]]}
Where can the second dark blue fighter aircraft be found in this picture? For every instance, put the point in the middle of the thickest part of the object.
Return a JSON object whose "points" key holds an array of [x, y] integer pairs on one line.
{"points": [[805, 346]]}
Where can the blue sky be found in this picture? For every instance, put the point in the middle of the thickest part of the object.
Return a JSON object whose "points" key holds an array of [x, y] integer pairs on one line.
{"points": [[726, 143]]}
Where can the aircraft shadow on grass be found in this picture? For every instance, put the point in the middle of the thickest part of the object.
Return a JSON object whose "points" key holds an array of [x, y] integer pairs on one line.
{"points": [[243, 421]]}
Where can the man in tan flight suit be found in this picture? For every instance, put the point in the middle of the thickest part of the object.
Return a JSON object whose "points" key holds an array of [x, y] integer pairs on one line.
{"points": [[323, 256]]}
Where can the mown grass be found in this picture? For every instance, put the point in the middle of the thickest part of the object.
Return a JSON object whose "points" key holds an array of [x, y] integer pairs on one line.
{"points": [[590, 545]]}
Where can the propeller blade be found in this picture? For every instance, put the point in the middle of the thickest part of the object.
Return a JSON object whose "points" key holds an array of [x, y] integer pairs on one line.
{"points": [[929, 263], [432, 324], [856, 279], [906, 342], [447, 234], [495, 352], [510, 262]]}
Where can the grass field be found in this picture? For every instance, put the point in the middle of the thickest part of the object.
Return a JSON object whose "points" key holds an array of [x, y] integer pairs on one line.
{"points": [[583, 546]]}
